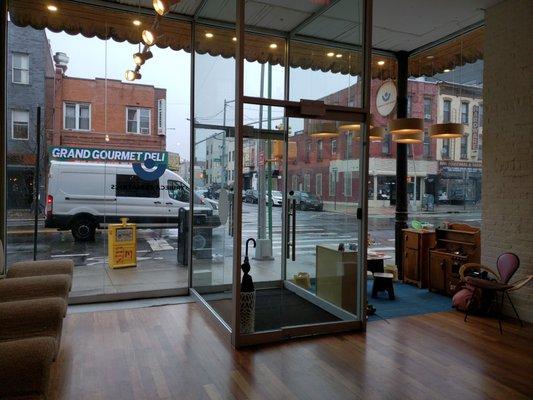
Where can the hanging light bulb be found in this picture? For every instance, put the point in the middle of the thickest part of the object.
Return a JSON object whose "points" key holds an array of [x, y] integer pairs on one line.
{"points": [[132, 75], [162, 7], [148, 36], [140, 58]]}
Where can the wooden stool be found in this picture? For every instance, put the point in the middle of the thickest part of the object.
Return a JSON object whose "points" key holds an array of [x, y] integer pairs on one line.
{"points": [[382, 283]]}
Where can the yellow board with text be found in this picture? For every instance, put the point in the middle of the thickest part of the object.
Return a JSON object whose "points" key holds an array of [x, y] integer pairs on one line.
{"points": [[122, 246]]}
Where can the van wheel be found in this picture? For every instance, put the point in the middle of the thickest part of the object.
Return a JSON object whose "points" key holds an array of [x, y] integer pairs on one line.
{"points": [[83, 229]]}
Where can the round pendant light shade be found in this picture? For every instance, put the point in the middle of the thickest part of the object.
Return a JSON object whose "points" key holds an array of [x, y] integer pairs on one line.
{"points": [[406, 126], [377, 133], [408, 138], [352, 126], [323, 129], [448, 130]]}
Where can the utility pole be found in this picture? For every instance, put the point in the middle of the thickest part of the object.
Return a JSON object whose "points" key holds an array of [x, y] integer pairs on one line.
{"points": [[223, 155]]}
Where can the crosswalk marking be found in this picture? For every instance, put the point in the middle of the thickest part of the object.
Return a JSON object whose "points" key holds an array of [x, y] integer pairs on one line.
{"points": [[159, 244]]}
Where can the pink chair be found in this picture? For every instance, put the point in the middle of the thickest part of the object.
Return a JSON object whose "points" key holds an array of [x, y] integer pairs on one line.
{"points": [[507, 264]]}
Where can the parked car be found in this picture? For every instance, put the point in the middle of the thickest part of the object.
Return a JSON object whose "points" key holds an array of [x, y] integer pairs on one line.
{"points": [[250, 196], [85, 196], [277, 198], [308, 201]]}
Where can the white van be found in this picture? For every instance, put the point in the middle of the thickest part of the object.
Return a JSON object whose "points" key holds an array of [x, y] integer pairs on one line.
{"points": [[85, 196]]}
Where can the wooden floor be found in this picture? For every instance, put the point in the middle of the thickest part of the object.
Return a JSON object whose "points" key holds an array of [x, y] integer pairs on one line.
{"points": [[176, 352]]}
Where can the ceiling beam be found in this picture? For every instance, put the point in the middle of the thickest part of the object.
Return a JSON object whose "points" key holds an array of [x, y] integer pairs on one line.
{"points": [[312, 18], [446, 38], [199, 9]]}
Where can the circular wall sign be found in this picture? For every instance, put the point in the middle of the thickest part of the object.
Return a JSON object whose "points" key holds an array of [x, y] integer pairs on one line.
{"points": [[386, 98]]}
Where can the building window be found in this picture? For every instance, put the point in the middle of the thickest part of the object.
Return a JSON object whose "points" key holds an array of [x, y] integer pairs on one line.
{"points": [[138, 120], [464, 112], [410, 150], [134, 186], [295, 182], [464, 147], [386, 144], [21, 68], [308, 151], [318, 184], [319, 149], [427, 108], [20, 121], [333, 147], [447, 111], [349, 144], [77, 116], [427, 144], [307, 183], [480, 116], [332, 182], [409, 105], [445, 152], [348, 183]]}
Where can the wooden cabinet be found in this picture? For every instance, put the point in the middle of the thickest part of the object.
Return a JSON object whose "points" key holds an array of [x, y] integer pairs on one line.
{"points": [[454, 248], [416, 246]]}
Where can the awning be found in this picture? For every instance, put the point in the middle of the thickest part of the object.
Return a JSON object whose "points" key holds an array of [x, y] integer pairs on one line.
{"points": [[110, 23]]}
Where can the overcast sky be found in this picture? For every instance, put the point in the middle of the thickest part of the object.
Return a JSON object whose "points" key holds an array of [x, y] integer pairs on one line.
{"points": [[169, 69]]}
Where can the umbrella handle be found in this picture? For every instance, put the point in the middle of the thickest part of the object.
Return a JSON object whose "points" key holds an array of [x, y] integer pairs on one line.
{"points": [[248, 241]]}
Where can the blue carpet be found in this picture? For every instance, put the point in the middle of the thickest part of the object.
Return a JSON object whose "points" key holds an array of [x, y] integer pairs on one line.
{"points": [[410, 300]]}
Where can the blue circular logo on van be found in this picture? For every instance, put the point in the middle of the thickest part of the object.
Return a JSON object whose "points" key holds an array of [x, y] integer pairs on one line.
{"points": [[149, 170]]}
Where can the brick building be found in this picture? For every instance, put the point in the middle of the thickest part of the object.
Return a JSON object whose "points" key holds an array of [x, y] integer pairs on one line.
{"points": [[108, 114], [30, 72], [329, 167]]}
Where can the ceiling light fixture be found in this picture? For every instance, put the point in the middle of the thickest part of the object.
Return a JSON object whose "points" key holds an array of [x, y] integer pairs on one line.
{"points": [[148, 37], [209, 35], [447, 70], [132, 75], [339, 55], [234, 38], [381, 63], [406, 126], [323, 129], [140, 58], [447, 130], [162, 7], [136, 22], [273, 46], [408, 138], [377, 133], [330, 54], [430, 57], [52, 8]]}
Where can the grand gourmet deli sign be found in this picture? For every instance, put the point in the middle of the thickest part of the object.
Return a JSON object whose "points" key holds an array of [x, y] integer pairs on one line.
{"points": [[64, 153], [459, 166]]}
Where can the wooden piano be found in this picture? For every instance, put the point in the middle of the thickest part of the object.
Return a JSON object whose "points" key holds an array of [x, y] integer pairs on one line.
{"points": [[457, 245]]}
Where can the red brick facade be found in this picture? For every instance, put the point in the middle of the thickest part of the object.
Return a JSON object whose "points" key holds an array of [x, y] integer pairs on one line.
{"points": [[309, 163], [107, 115]]}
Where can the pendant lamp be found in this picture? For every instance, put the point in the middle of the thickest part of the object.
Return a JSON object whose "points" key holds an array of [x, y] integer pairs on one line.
{"points": [[377, 133], [404, 126], [323, 129], [447, 130], [353, 126], [408, 138]]}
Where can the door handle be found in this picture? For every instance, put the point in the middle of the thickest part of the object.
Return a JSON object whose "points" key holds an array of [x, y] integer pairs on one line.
{"points": [[157, 202], [168, 203]]}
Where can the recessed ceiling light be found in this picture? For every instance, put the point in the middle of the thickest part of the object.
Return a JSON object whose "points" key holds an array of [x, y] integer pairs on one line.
{"points": [[447, 70], [136, 22], [381, 62], [209, 35], [430, 57], [51, 7], [330, 54], [273, 46], [234, 38], [339, 55]]}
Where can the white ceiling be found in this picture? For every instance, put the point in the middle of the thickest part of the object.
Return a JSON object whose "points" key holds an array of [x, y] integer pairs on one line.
{"points": [[398, 24]]}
